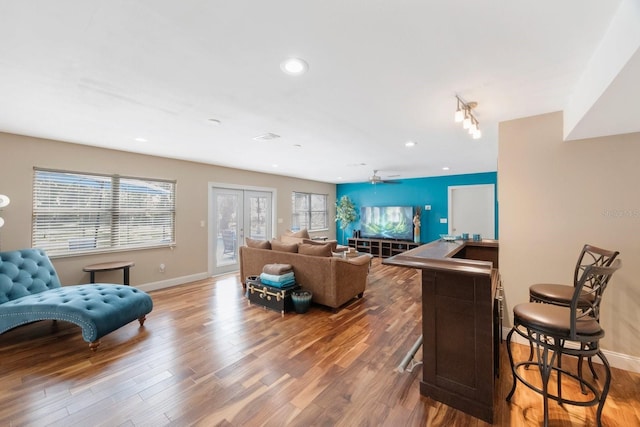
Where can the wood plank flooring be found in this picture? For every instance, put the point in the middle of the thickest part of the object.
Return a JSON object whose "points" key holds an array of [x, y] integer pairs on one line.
{"points": [[205, 357]]}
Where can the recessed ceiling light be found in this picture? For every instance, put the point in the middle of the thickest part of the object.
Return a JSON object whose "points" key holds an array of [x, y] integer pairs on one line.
{"points": [[446, 168], [140, 139], [294, 66], [274, 165], [410, 144]]}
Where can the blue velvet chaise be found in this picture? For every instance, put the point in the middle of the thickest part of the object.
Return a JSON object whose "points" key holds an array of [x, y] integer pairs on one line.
{"points": [[30, 291]]}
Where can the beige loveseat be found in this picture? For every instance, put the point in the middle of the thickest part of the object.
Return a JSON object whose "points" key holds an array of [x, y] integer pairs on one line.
{"points": [[332, 280]]}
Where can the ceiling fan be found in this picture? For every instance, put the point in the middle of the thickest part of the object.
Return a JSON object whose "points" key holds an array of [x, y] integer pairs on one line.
{"points": [[377, 179]]}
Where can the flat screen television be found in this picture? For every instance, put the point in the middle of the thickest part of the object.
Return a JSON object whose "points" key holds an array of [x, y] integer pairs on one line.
{"points": [[386, 222]]}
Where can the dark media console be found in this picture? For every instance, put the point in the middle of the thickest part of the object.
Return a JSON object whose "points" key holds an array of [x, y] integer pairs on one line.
{"points": [[382, 248]]}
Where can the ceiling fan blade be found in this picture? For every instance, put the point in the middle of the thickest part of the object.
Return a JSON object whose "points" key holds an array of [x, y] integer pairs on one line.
{"points": [[377, 179]]}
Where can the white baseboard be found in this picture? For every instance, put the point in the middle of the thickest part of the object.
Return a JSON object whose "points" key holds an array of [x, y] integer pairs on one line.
{"points": [[616, 360], [154, 286]]}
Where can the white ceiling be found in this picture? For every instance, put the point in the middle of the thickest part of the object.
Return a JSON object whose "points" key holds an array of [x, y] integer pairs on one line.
{"points": [[381, 73]]}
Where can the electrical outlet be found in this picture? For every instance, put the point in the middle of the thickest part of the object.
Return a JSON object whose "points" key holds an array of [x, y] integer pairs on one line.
{"points": [[427, 207], [162, 267], [443, 220]]}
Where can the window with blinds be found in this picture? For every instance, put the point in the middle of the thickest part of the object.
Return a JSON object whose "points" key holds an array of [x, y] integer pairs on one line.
{"points": [[309, 211], [80, 213]]}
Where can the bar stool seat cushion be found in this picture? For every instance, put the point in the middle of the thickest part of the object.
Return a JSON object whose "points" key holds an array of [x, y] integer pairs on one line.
{"points": [[555, 321], [552, 293]]}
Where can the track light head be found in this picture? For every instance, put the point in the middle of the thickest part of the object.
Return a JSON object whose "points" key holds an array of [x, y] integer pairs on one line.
{"points": [[465, 115]]}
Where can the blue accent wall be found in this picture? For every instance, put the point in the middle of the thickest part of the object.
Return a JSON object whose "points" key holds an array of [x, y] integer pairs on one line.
{"points": [[413, 192]]}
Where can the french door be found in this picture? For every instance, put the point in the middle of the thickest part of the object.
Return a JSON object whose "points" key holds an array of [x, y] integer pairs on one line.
{"points": [[234, 215]]}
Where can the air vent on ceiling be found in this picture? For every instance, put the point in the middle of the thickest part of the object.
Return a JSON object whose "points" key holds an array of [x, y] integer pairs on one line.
{"points": [[266, 137]]}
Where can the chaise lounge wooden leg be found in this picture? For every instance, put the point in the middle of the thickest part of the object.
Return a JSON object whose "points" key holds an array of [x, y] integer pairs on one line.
{"points": [[93, 346], [141, 320]]}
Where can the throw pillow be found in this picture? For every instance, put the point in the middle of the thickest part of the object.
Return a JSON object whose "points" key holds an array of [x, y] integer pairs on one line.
{"points": [[258, 244], [333, 243], [284, 247], [301, 233], [315, 250], [291, 239]]}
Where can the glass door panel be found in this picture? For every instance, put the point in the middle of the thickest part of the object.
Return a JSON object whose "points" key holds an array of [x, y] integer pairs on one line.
{"points": [[237, 214], [227, 212], [257, 215]]}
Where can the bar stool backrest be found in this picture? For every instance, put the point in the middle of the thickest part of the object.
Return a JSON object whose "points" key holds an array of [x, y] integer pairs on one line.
{"points": [[592, 256], [594, 281]]}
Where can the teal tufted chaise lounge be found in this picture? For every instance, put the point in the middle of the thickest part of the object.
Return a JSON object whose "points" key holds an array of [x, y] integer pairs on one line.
{"points": [[30, 291]]}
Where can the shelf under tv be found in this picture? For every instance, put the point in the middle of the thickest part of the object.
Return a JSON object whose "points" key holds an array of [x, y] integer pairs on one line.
{"points": [[382, 248]]}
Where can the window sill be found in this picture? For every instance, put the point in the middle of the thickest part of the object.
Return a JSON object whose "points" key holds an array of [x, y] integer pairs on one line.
{"points": [[110, 251]]}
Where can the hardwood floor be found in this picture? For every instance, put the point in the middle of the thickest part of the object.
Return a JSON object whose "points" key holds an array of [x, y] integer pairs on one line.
{"points": [[205, 357]]}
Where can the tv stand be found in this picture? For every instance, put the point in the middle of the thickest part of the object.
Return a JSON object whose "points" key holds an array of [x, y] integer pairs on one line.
{"points": [[381, 248]]}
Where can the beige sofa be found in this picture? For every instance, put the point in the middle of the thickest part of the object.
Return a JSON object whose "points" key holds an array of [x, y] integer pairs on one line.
{"points": [[332, 280]]}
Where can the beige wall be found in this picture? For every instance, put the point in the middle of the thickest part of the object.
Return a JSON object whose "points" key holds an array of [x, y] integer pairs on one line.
{"points": [[20, 154], [554, 197]]}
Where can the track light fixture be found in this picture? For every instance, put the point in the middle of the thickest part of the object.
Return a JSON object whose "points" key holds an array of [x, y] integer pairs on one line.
{"points": [[465, 115]]}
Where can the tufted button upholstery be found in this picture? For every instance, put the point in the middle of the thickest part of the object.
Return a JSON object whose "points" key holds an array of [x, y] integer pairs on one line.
{"points": [[25, 272], [30, 290]]}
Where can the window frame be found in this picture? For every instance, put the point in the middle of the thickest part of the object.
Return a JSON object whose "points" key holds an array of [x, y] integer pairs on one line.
{"points": [[309, 212], [110, 219]]}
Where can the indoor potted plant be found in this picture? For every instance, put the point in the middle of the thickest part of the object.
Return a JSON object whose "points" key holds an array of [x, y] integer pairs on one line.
{"points": [[345, 213]]}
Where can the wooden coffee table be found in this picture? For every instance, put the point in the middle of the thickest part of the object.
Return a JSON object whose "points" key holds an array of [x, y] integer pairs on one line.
{"points": [[109, 266]]}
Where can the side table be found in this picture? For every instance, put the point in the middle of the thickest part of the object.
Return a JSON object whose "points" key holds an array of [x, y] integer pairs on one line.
{"points": [[109, 266]]}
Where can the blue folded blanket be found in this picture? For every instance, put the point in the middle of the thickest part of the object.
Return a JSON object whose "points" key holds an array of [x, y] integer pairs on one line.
{"points": [[279, 278], [281, 285]]}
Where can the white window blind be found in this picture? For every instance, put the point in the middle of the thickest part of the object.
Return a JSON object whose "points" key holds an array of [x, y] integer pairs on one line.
{"points": [[309, 211], [80, 213]]}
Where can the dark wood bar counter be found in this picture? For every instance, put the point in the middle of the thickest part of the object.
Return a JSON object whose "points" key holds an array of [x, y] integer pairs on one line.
{"points": [[460, 321]]}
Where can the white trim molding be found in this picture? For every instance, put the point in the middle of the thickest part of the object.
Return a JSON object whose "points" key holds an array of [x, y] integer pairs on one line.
{"points": [[154, 286]]}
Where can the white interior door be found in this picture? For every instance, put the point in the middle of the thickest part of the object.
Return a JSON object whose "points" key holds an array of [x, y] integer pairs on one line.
{"points": [[234, 214], [472, 210]]}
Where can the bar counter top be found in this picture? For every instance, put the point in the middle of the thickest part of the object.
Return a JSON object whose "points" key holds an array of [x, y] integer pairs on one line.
{"points": [[447, 255]]}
